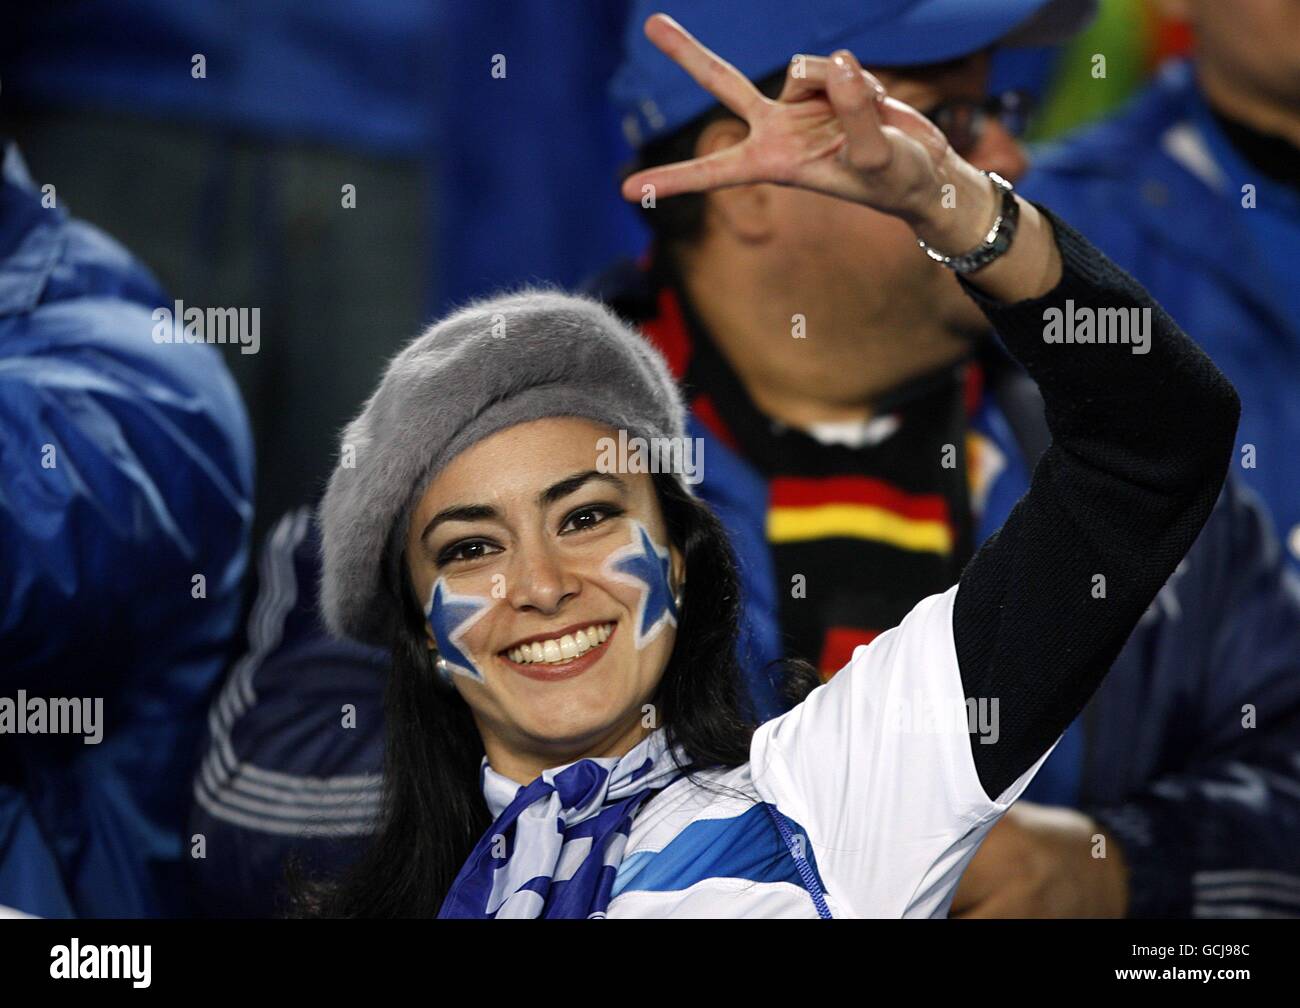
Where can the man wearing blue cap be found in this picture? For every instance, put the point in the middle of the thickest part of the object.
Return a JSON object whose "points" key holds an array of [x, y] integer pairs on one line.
{"points": [[850, 492]]}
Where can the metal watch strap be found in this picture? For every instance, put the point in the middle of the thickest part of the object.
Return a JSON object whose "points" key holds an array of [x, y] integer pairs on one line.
{"points": [[995, 243]]}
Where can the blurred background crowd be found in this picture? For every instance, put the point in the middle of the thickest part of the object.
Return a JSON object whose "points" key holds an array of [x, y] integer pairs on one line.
{"points": [[353, 169]]}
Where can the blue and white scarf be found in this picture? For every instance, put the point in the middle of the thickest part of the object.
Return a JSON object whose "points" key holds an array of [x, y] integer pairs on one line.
{"points": [[556, 844]]}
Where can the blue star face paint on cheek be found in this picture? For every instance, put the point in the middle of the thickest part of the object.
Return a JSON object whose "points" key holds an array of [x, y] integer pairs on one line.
{"points": [[450, 617], [648, 566]]}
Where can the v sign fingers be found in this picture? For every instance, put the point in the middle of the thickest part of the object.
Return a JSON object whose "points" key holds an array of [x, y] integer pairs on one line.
{"points": [[833, 131]]}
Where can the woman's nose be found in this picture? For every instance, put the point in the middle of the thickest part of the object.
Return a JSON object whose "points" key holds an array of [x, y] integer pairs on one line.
{"points": [[539, 580]]}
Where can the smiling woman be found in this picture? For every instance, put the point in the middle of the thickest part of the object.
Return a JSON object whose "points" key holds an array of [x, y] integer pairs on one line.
{"points": [[589, 550], [537, 606], [567, 736]]}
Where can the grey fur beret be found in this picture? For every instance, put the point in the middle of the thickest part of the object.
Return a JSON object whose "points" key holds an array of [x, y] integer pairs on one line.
{"points": [[493, 364]]}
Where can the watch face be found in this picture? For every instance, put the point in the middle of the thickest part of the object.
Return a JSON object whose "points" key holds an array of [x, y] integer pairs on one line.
{"points": [[1000, 236]]}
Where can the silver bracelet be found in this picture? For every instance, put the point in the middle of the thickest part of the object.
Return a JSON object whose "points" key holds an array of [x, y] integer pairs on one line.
{"points": [[995, 243]]}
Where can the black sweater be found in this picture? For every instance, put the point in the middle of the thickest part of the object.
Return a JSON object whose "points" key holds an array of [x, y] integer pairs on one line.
{"points": [[1140, 447]]}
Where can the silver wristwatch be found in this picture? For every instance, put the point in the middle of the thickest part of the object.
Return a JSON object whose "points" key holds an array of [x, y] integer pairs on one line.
{"points": [[995, 243]]}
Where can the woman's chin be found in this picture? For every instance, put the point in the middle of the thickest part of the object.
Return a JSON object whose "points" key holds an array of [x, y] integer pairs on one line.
{"points": [[579, 720]]}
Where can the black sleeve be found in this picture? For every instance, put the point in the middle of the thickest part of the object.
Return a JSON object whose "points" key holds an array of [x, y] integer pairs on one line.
{"points": [[1140, 446]]}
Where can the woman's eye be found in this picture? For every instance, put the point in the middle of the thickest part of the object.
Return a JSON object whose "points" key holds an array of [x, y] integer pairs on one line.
{"points": [[588, 517], [472, 549]]}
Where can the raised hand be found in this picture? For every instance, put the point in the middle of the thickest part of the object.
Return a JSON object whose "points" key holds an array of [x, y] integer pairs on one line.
{"points": [[833, 130]]}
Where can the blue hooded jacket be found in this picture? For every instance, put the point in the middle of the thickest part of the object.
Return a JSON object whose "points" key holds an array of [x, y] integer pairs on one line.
{"points": [[127, 474]]}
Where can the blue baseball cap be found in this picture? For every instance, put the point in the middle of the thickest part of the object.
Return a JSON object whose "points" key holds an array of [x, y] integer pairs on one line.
{"points": [[656, 96]]}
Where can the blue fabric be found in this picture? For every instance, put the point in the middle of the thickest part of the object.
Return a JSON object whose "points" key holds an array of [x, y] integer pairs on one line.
{"points": [[571, 822], [1273, 223], [28, 864], [1220, 269], [345, 72], [151, 485], [529, 164], [745, 847], [804, 862]]}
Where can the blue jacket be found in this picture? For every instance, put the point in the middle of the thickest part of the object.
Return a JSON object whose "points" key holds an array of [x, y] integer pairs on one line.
{"points": [[1161, 191], [1208, 812], [127, 472]]}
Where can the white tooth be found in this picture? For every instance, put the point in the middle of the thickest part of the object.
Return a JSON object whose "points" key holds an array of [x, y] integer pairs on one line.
{"points": [[525, 654], [513, 654], [551, 651], [568, 646], [593, 635], [539, 653], [580, 640], [605, 632]]}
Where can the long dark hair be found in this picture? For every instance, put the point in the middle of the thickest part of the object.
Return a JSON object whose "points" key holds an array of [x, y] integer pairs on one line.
{"points": [[433, 811]]}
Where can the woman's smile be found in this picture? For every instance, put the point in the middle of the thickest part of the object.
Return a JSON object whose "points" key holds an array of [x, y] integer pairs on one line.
{"points": [[560, 654]]}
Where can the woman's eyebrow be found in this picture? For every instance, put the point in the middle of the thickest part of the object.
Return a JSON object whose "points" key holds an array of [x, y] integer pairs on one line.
{"points": [[553, 493], [562, 489], [460, 512]]}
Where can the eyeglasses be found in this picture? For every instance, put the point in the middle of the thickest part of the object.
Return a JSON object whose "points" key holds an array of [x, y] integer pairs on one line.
{"points": [[963, 120]]}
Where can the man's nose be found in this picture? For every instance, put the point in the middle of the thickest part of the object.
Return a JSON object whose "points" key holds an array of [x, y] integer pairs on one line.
{"points": [[540, 581], [1000, 152]]}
